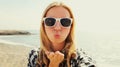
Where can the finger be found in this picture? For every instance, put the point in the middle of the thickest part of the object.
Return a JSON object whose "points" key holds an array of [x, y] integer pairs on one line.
{"points": [[47, 52], [57, 52], [59, 55], [51, 55]]}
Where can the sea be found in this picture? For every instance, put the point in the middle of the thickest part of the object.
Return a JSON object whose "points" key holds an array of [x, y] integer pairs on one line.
{"points": [[104, 48]]}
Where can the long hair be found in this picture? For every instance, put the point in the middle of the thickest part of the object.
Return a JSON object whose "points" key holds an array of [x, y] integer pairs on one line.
{"points": [[46, 43]]}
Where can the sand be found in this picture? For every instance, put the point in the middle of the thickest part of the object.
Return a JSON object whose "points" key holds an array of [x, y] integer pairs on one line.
{"points": [[13, 55], [16, 55]]}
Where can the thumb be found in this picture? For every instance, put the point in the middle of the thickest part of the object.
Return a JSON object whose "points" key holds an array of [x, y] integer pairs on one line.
{"points": [[47, 53]]}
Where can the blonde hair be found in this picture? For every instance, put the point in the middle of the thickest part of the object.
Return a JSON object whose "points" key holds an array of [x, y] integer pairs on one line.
{"points": [[46, 43]]}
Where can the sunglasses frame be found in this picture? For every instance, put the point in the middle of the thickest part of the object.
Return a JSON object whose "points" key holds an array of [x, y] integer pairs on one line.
{"points": [[57, 19]]}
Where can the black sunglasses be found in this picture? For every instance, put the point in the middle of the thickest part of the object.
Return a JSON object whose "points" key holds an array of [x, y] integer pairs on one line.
{"points": [[65, 22]]}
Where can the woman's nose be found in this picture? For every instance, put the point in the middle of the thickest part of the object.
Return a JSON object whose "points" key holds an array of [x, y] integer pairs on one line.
{"points": [[57, 26]]}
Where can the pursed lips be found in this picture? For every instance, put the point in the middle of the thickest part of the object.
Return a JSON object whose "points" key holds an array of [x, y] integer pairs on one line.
{"points": [[57, 35]]}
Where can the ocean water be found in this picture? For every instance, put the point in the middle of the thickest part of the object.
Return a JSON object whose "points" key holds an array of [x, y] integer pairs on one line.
{"points": [[29, 40], [103, 48]]}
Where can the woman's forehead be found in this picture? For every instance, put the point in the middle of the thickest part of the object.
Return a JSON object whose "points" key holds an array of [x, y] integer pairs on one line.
{"points": [[58, 11]]}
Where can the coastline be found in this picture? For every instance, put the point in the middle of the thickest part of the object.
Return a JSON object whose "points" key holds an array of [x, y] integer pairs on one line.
{"points": [[14, 32], [12, 55]]}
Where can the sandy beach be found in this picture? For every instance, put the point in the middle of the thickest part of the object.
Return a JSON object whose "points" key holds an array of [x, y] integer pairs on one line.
{"points": [[16, 55], [13, 55]]}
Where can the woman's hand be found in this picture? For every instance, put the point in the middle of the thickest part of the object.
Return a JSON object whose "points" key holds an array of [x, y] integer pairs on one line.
{"points": [[55, 58]]}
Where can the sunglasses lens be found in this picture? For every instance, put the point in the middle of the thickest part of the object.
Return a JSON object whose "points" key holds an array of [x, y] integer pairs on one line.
{"points": [[65, 22], [50, 21]]}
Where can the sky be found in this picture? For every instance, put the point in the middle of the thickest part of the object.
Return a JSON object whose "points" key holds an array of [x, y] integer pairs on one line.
{"points": [[100, 16]]}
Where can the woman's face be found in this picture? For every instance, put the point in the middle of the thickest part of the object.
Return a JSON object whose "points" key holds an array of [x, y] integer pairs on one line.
{"points": [[57, 33]]}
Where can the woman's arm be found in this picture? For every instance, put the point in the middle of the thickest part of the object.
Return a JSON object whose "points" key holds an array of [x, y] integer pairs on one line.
{"points": [[55, 58]]}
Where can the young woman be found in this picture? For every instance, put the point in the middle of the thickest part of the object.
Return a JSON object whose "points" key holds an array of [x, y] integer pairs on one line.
{"points": [[57, 41]]}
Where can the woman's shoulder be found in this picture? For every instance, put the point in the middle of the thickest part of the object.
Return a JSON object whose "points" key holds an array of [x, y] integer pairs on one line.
{"points": [[84, 59], [33, 54]]}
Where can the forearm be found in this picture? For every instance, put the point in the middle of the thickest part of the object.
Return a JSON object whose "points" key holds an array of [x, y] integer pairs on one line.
{"points": [[53, 65]]}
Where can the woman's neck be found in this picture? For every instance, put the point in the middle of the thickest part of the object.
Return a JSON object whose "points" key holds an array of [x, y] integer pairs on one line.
{"points": [[58, 46]]}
